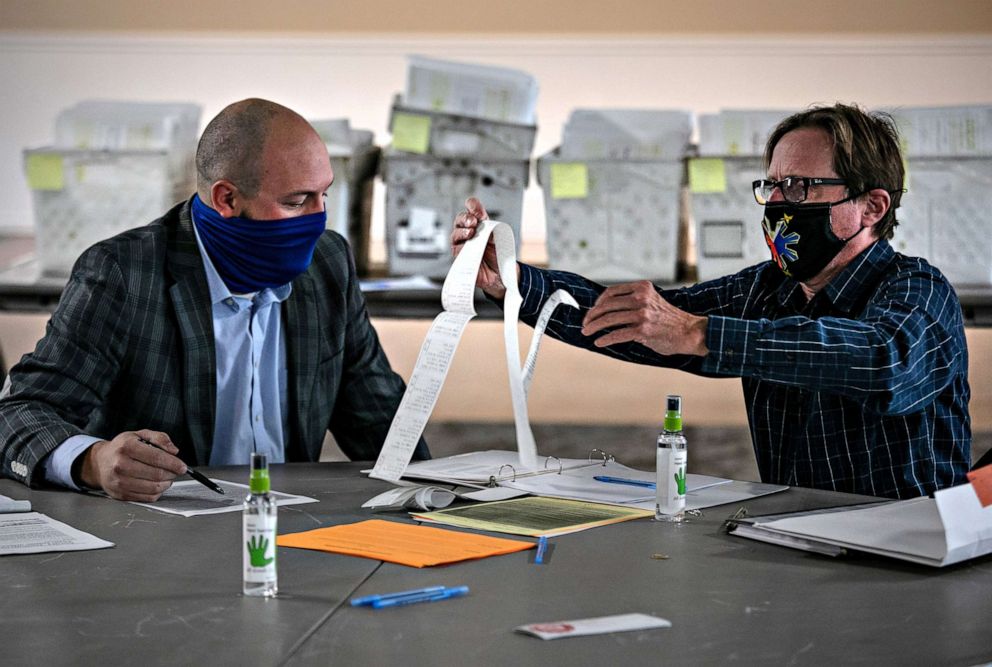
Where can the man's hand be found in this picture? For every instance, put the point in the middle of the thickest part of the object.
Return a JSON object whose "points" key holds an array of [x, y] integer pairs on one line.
{"points": [[129, 469], [636, 313], [466, 223]]}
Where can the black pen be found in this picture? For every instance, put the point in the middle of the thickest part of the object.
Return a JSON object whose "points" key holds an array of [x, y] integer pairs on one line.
{"points": [[198, 476]]}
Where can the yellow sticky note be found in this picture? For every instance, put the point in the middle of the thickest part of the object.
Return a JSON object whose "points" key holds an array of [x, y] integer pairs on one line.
{"points": [[707, 175], [44, 171], [411, 133], [569, 180]]}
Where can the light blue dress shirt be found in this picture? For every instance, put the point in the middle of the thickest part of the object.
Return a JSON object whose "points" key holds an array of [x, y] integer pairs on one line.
{"points": [[252, 410]]}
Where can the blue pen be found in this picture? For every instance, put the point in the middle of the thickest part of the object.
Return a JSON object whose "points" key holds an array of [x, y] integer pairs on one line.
{"points": [[446, 594], [368, 600], [542, 546], [623, 480]]}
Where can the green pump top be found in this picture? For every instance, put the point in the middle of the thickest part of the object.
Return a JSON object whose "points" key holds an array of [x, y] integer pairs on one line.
{"points": [[259, 480], [673, 413]]}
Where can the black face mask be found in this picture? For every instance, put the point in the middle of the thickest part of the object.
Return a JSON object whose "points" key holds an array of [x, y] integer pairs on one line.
{"points": [[800, 238]]}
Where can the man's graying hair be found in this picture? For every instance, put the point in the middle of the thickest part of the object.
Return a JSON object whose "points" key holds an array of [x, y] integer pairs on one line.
{"points": [[231, 146], [866, 151]]}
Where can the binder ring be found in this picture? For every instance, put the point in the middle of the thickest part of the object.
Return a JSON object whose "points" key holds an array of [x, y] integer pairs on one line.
{"points": [[556, 459], [607, 457], [499, 473]]}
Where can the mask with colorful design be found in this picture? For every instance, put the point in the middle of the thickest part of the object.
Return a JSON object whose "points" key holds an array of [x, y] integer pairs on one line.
{"points": [[800, 238]]}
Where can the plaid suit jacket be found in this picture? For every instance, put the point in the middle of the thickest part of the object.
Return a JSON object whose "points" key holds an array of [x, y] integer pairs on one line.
{"points": [[131, 346]]}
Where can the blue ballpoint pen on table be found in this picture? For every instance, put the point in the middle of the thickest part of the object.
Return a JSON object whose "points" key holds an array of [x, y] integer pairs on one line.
{"points": [[367, 600], [542, 547], [446, 594], [623, 480]]}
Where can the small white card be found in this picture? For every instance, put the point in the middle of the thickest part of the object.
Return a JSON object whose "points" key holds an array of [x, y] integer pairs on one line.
{"points": [[594, 626]]}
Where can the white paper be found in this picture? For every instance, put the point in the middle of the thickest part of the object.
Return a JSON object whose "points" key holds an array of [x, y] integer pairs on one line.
{"points": [[8, 505], [424, 498], [967, 525], [190, 498], [485, 468], [418, 497], [438, 349], [34, 533], [557, 298], [593, 626], [946, 529]]}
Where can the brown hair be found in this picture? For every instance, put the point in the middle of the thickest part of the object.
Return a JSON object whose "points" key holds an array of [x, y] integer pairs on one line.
{"points": [[866, 151]]}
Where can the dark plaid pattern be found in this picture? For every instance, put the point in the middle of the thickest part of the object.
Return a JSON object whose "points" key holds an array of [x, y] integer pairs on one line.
{"points": [[131, 346], [863, 389]]}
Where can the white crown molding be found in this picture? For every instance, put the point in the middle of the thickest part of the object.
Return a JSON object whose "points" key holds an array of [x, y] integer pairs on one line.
{"points": [[516, 45]]}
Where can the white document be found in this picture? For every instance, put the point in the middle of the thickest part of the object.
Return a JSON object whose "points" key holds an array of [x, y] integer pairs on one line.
{"points": [[438, 349], [593, 626], [946, 529], [35, 533], [190, 498], [427, 498], [574, 479], [424, 498], [8, 505]]}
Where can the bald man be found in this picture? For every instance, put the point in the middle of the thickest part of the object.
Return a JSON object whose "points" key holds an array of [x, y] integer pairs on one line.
{"points": [[233, 324]]}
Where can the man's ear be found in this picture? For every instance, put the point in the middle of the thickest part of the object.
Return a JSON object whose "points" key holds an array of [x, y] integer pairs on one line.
{"points": [[226, 199], [877, 203]]}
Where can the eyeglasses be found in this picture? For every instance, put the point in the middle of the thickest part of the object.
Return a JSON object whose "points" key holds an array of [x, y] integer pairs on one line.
{"points": [[795, 189]]}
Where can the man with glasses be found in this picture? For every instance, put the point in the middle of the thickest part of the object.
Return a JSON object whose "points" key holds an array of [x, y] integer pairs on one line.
{"points": [[853, 357]]}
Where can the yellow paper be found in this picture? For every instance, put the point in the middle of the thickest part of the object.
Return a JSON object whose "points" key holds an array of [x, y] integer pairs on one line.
{"points": [[44, 171], [534, 516], [411, 133], [403, 543], [569, 180], [707, 174]]}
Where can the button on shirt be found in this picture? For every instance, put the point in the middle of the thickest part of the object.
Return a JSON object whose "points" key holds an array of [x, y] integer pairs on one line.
{"points": [[252, 411], [862, 389]]}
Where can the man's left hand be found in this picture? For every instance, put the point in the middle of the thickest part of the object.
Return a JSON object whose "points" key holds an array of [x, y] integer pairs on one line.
{"points": [[636, 313]]}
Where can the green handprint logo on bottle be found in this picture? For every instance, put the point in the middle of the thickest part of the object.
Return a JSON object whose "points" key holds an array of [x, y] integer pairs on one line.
{"points": [[257, 547], [680, 481]]}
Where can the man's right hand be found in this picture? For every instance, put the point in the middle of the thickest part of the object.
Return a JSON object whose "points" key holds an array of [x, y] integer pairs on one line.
{"points": [[129, 469], [466, 222]]}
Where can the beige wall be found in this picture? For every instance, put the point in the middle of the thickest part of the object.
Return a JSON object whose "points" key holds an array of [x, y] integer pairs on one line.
{"points": [[570, 385], [822, 17], [699, 55]]}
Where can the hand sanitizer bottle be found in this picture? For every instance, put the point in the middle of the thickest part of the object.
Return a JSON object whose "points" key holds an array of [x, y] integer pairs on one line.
{"points": [[671, 464], [259, 533]]}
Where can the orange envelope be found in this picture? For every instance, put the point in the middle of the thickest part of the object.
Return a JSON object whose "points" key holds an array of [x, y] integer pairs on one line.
{"points": [[403, 543]]}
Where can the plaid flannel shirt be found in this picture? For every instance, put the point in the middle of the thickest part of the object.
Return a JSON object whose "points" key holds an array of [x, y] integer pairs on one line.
{"points": [[862, 389]]}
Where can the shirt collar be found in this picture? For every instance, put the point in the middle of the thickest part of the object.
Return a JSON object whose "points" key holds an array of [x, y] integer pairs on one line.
{"points": [[219, 293], [846, 288]]}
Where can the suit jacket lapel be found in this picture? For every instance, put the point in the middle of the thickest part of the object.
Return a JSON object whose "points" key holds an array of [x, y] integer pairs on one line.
{"points": [[302, 352], [191, 304]]}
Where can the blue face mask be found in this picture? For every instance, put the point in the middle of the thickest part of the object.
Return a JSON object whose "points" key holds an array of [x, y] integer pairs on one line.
{"points": [[251, 255]]}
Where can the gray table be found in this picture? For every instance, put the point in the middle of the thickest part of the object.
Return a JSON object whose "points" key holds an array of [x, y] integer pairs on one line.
{"points": [[169, 593]]}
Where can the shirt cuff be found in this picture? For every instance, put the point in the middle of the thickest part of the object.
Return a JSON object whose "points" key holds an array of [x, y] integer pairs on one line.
{"points": [[729, 341], [58, 465]]}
